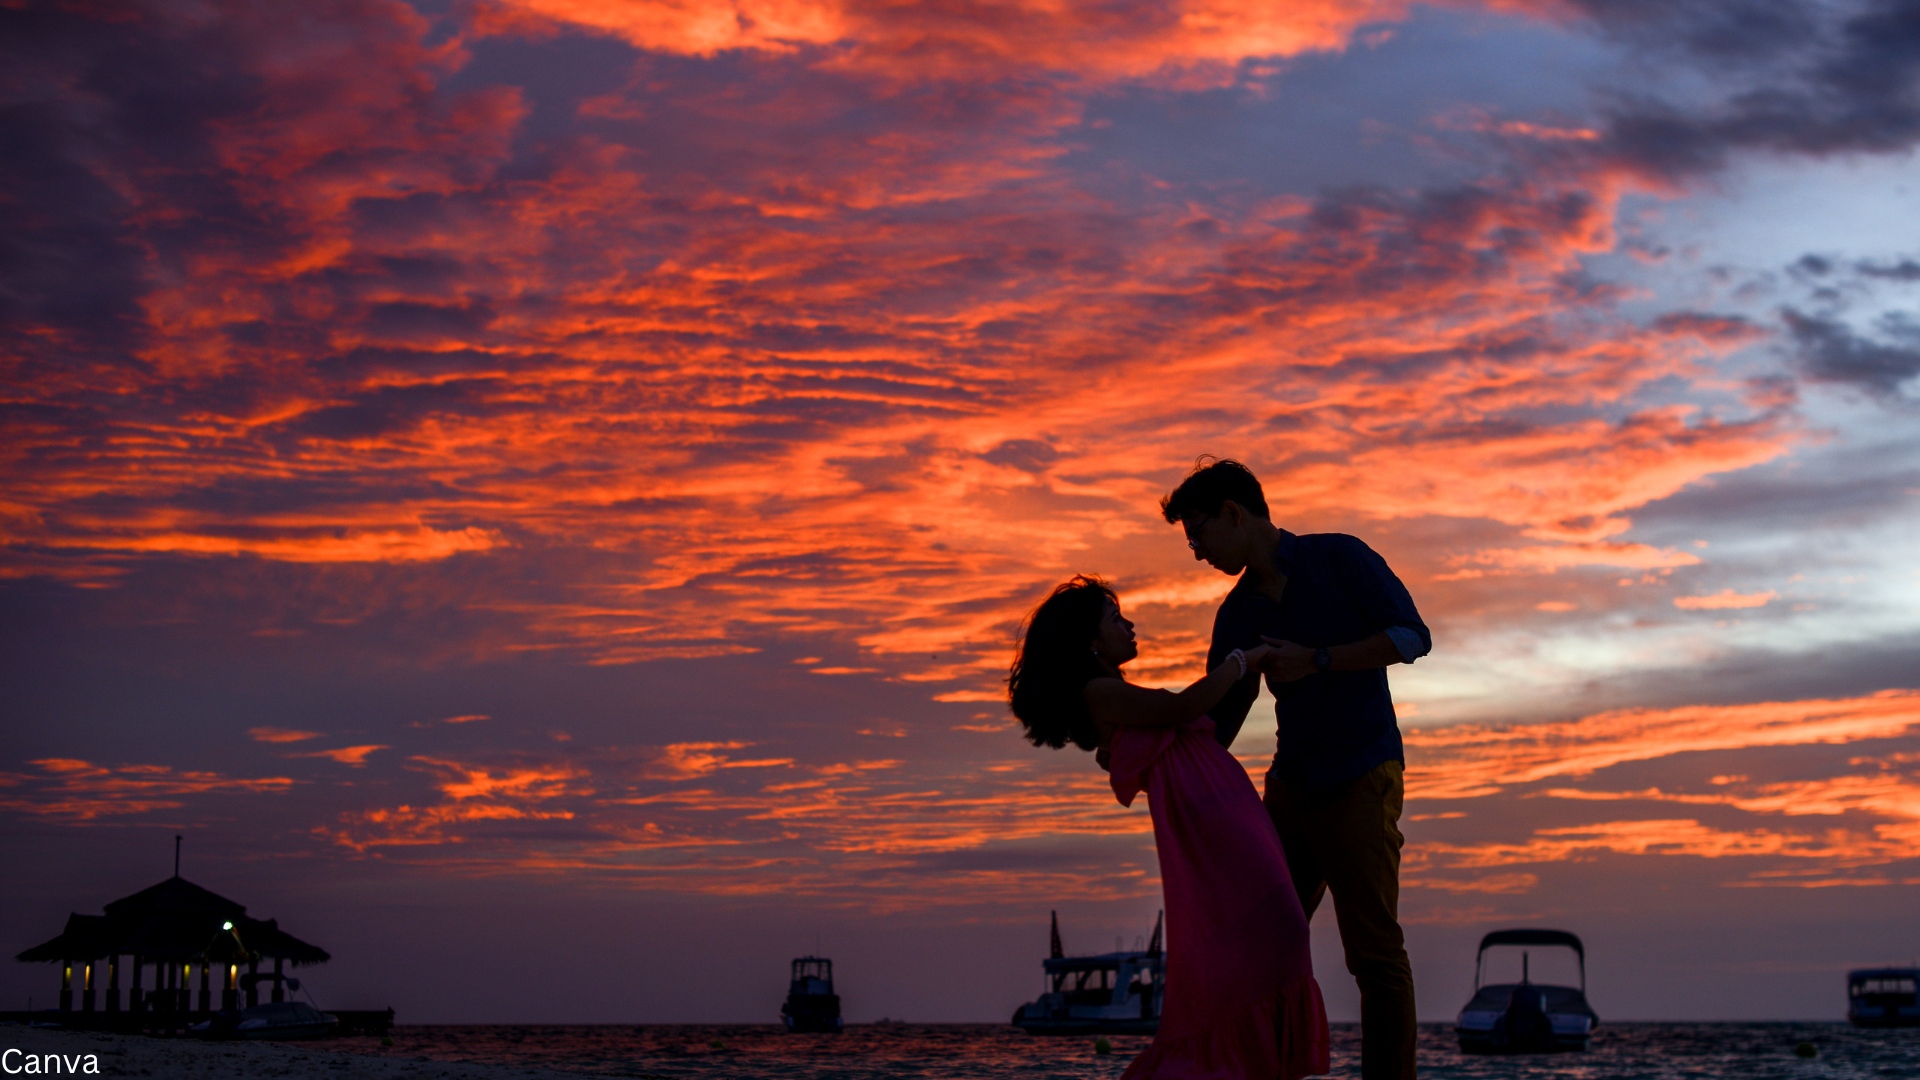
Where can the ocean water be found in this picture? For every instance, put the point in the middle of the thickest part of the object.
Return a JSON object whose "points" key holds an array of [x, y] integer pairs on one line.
{"points": [[1000, 1052]]}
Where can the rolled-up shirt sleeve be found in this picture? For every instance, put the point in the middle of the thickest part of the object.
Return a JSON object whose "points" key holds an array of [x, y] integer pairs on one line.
{"points": [[1408, 640]]}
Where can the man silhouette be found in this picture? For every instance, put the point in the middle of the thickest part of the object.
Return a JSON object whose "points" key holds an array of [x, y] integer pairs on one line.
{"points": [[1338, 618]]}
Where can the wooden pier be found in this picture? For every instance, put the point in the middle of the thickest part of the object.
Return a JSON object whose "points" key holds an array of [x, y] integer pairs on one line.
{"points": [[352, 1021]]}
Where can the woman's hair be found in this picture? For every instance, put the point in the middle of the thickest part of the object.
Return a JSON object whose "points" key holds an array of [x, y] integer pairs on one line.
{"points": [[1055, 662]]}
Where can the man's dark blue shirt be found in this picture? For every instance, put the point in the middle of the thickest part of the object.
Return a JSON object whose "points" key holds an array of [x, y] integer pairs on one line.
{"points": [[1337, 725]]}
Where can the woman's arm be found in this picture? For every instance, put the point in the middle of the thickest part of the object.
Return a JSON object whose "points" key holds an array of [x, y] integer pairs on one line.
{"points": [[1116, 703]]}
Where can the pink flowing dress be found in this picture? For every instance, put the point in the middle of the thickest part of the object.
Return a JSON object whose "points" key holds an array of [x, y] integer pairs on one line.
{"points": [[1240, 1003]]}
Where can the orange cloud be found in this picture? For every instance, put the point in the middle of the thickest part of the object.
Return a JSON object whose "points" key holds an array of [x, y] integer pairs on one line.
{"points": [[1095, 41], [1472, 761], [419, 544], [1501, 884], [688, 761], [1888, 795], [81, 791], [471, 796], [871, 358], [1724, 600], [461, 782], [1840, 851], [355, 756], [833, 830], [1546, 559], [1876, 816], [1327, 343], [1647, 837], [280, 735]]}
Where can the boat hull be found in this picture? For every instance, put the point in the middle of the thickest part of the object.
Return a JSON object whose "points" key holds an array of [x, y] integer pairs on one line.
{"points": [[1058, 1014], [279, 1021], [1088, 1027], [292, 1031], [1902, 1018], [1116, 993], [814, 1014], [1527, 1019]]}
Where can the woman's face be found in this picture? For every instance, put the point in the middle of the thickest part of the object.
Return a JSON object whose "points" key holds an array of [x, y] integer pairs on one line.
{"points": [[1114, 642]]}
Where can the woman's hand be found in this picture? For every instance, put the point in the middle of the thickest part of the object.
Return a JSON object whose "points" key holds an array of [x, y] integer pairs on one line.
{"points": [[1116, 703], [1257, 658], [1286, 661]]}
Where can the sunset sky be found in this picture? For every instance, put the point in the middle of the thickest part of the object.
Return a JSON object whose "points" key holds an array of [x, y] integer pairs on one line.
{"points": [[541, 493]]}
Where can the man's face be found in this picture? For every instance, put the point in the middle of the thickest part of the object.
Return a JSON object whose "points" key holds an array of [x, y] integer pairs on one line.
{"points": [[1214, 542]]}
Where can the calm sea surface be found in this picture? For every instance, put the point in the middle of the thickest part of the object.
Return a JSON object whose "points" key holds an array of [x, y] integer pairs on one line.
{"points": [[993, 1052]]}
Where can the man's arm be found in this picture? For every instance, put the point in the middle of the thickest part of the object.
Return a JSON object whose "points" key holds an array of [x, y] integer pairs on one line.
{"points": [[1384, 601], [1290, 661]]}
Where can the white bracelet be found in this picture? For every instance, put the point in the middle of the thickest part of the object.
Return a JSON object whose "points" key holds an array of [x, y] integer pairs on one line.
{"points": [[1239, 658]]}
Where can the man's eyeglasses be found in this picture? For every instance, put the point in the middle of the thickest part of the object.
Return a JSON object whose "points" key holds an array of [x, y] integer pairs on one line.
{"points": [[1192, 529]]}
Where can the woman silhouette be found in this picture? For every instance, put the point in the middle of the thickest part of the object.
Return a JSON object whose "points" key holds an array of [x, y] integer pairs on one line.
{"points": [[1241, 1001]]}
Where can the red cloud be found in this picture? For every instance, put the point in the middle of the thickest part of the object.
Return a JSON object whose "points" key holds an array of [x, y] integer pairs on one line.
{"points": [[1724, 600], [1471, 761], [77, 790], [666, 408], [1876, 818], [355, 756], [280, 735], [1100, 41]]}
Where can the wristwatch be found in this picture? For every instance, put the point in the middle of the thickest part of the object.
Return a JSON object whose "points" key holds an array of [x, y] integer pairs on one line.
{"points": [[1322, 661]]}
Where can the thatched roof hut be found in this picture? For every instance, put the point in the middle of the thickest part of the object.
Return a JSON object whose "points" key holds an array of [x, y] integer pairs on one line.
{"points": [[175, 920], [176, 926]]}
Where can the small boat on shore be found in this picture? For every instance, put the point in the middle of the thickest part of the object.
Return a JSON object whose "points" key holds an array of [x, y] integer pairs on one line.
{"points": [[1884, 997], [276, 1020], [811, 1004], [1116, 993], [1526, 1017]]}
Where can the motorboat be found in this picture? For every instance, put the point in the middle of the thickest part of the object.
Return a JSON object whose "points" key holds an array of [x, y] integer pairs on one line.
{"points": [[1883, 997], [1116, 993], [811, 1004], [1526, 1017], [277, 1020]]}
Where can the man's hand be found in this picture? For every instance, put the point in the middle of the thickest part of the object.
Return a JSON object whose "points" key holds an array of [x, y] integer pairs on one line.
{"points": [[1103, 757], [1287, 662]]}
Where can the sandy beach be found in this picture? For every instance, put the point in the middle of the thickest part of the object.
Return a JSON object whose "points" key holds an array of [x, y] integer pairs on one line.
{"points": [[138, 1055]]}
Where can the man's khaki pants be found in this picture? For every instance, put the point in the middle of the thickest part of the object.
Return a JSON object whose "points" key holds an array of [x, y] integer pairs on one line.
{"points": [[1347, 839]]}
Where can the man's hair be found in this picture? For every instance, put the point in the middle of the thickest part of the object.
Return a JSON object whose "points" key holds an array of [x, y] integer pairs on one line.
{"points": [[1213, 482], [1047, 684]]}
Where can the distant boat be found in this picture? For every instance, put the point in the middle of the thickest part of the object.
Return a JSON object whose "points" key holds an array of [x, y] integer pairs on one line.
{"points": [[1883, 997], [1116, 993], [1526, 1017], [276, 1020], [811, 1004]]}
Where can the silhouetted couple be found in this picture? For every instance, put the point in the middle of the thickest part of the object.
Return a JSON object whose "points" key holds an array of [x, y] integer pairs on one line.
{"points": [[1320, 617]]}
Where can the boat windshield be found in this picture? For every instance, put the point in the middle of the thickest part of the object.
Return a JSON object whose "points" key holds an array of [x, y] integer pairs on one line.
{"points": [[1883, 984], [1557, 998]]}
